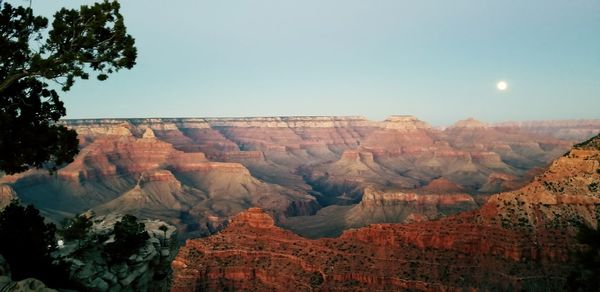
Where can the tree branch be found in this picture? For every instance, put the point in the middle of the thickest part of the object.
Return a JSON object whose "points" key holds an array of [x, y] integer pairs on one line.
{"points": [[12, 79]]}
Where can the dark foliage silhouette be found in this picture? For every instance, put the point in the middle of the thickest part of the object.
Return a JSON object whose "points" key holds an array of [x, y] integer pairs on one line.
{"points": [[26, 243], [91, 39], [586, 273], [130, 235]]}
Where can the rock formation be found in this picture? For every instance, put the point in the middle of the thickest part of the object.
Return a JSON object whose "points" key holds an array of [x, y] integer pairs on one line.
{"points": [[196, 173], [469, 123], [438, 199], [147, 269], [393, 207], [7, 194], [519, 240], [150, 178]]}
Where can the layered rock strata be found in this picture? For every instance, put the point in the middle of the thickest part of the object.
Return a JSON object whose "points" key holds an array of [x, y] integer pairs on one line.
{"points": [[187, 170], [519, 240]]}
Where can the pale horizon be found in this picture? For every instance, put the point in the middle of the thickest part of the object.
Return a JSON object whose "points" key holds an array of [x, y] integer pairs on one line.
{"points": [[494, 123]]}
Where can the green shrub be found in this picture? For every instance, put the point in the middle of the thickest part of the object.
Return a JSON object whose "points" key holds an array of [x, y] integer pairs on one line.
{"points": [[76, 228], [316, 279], [130, 236]]}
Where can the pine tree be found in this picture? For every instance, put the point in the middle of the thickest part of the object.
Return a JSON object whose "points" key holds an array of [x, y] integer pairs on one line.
{"points": [[80, 41]]}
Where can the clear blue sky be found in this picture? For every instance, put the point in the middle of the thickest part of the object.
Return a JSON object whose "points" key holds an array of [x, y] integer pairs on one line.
{"points": [[437, 60]]}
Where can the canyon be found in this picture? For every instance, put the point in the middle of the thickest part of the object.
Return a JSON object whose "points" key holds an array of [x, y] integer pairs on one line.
{"points": [[522, 239], [316, 176]]}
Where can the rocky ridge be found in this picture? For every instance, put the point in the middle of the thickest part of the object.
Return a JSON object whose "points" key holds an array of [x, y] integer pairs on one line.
{"points": [[195, 173], [574, 130], [522, 239]]}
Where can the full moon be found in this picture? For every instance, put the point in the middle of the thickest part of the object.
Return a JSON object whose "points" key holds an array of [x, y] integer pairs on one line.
{"points": [[502, 85]]}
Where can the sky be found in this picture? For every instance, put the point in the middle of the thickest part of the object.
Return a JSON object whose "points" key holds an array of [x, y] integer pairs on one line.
{"points": [[437, 60]]}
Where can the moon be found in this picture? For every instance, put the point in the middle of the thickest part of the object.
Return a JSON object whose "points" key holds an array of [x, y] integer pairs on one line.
{"points": [[502, 85]]}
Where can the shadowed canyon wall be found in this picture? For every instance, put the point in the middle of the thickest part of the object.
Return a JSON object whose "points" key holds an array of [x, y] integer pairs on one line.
{"points": [[196, 173]]}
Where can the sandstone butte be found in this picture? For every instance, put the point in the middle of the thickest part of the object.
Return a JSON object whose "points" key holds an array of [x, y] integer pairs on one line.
{"points": [[523, 239]]}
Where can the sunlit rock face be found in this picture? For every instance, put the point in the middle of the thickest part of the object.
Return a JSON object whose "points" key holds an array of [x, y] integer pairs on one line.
{"points": [[7, 194], [519, 240], [196, 173]]}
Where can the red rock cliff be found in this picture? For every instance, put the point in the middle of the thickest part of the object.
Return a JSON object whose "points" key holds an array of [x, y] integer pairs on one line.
{"points": [[518, 240]]}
